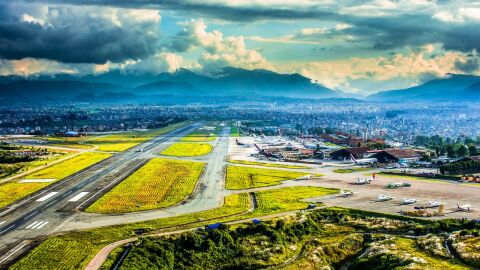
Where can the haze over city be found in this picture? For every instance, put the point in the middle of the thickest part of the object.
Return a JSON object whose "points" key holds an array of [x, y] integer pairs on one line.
{"points": [[246, 134]]}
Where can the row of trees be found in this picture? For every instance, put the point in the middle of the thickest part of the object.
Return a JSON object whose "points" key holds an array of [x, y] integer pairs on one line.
{"points": [[461, 147], [461, 167]]}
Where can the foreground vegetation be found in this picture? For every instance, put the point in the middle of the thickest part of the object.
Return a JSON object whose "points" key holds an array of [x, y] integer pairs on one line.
{"points": [[187, 149], [275, 165], [15, 189], [123, 141], [160, 183], [74, 250], [240, 177], [323, 239]]}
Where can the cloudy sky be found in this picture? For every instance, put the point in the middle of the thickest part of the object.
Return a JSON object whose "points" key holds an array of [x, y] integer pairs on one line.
{"points": [[355, 46]]}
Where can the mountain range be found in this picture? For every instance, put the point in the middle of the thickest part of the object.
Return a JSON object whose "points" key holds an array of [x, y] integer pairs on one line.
{"points": [[229, 84], [453, 87]]}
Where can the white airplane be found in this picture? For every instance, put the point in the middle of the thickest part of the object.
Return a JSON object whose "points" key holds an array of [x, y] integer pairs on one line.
{"points": [[383, 198], [346, 193], [305, 177], [465, 207], [363, 161], [434, 203], [363, 181], [409, 201]]}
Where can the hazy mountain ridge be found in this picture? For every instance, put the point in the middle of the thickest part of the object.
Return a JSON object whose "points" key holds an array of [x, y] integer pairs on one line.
{"points": [[228, 82], [454, 87]]}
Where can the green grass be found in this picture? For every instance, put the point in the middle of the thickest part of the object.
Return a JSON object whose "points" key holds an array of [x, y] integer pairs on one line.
{"points": [[408, 177], [14, 190], [285, 166], [351, 170], [234, 132], [160, 183], [20, 167], [200, 135], [124, 141], [187, 149], [240, 177], [288, 199]]}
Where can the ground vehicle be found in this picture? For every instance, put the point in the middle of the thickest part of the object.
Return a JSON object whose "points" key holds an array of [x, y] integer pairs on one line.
{"points": [[312, 206]]}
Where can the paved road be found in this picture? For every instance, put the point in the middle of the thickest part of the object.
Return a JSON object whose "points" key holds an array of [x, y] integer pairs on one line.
{"points": [[209, 194], [40, 213]]}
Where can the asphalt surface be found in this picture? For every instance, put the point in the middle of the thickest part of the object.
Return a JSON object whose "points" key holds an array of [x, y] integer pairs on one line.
{"points": [[41, 213]]}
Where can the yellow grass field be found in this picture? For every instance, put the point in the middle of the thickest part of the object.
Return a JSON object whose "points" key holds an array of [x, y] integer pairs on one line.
{"points": [[14, 190], [240, 177], [187, 149], [160, 183], [123, 141]]}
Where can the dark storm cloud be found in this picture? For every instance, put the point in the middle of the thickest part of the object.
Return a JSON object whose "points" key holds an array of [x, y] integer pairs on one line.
{"points": [[73, 37], [470, 65]]}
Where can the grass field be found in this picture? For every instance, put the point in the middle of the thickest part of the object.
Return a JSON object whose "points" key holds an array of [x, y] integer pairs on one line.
{"points": [[160, 183], [351, 170], [74, 250], [14, 190], [200, 135], [187, 149], [234, 132], [123, 141], [240, 177], [20, 167], [288, 199], [285, 166]]}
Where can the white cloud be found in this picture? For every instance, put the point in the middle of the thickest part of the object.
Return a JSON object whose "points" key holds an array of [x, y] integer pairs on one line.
{"points": [[405, 69]]}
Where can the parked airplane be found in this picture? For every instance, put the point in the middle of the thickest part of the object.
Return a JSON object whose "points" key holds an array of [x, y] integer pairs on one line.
{"points": [[434, 203], [409, 201], [398, 185], [305, 177], [465, 207], [363, 181], [363, 161], [383, 198], [346, 193]]}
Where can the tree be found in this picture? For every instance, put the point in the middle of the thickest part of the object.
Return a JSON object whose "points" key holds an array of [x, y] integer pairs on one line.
{"points": [[472, 149], [462, 151], [450, 151]]}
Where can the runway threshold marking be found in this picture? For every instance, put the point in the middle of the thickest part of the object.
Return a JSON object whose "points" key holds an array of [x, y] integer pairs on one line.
{"points": [[78, 196], [46, 197], [36, 225]]}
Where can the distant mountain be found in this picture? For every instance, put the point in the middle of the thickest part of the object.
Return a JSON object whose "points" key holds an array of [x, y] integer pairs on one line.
{"points": [[233, 82], [34, 90], [452, 88]]}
